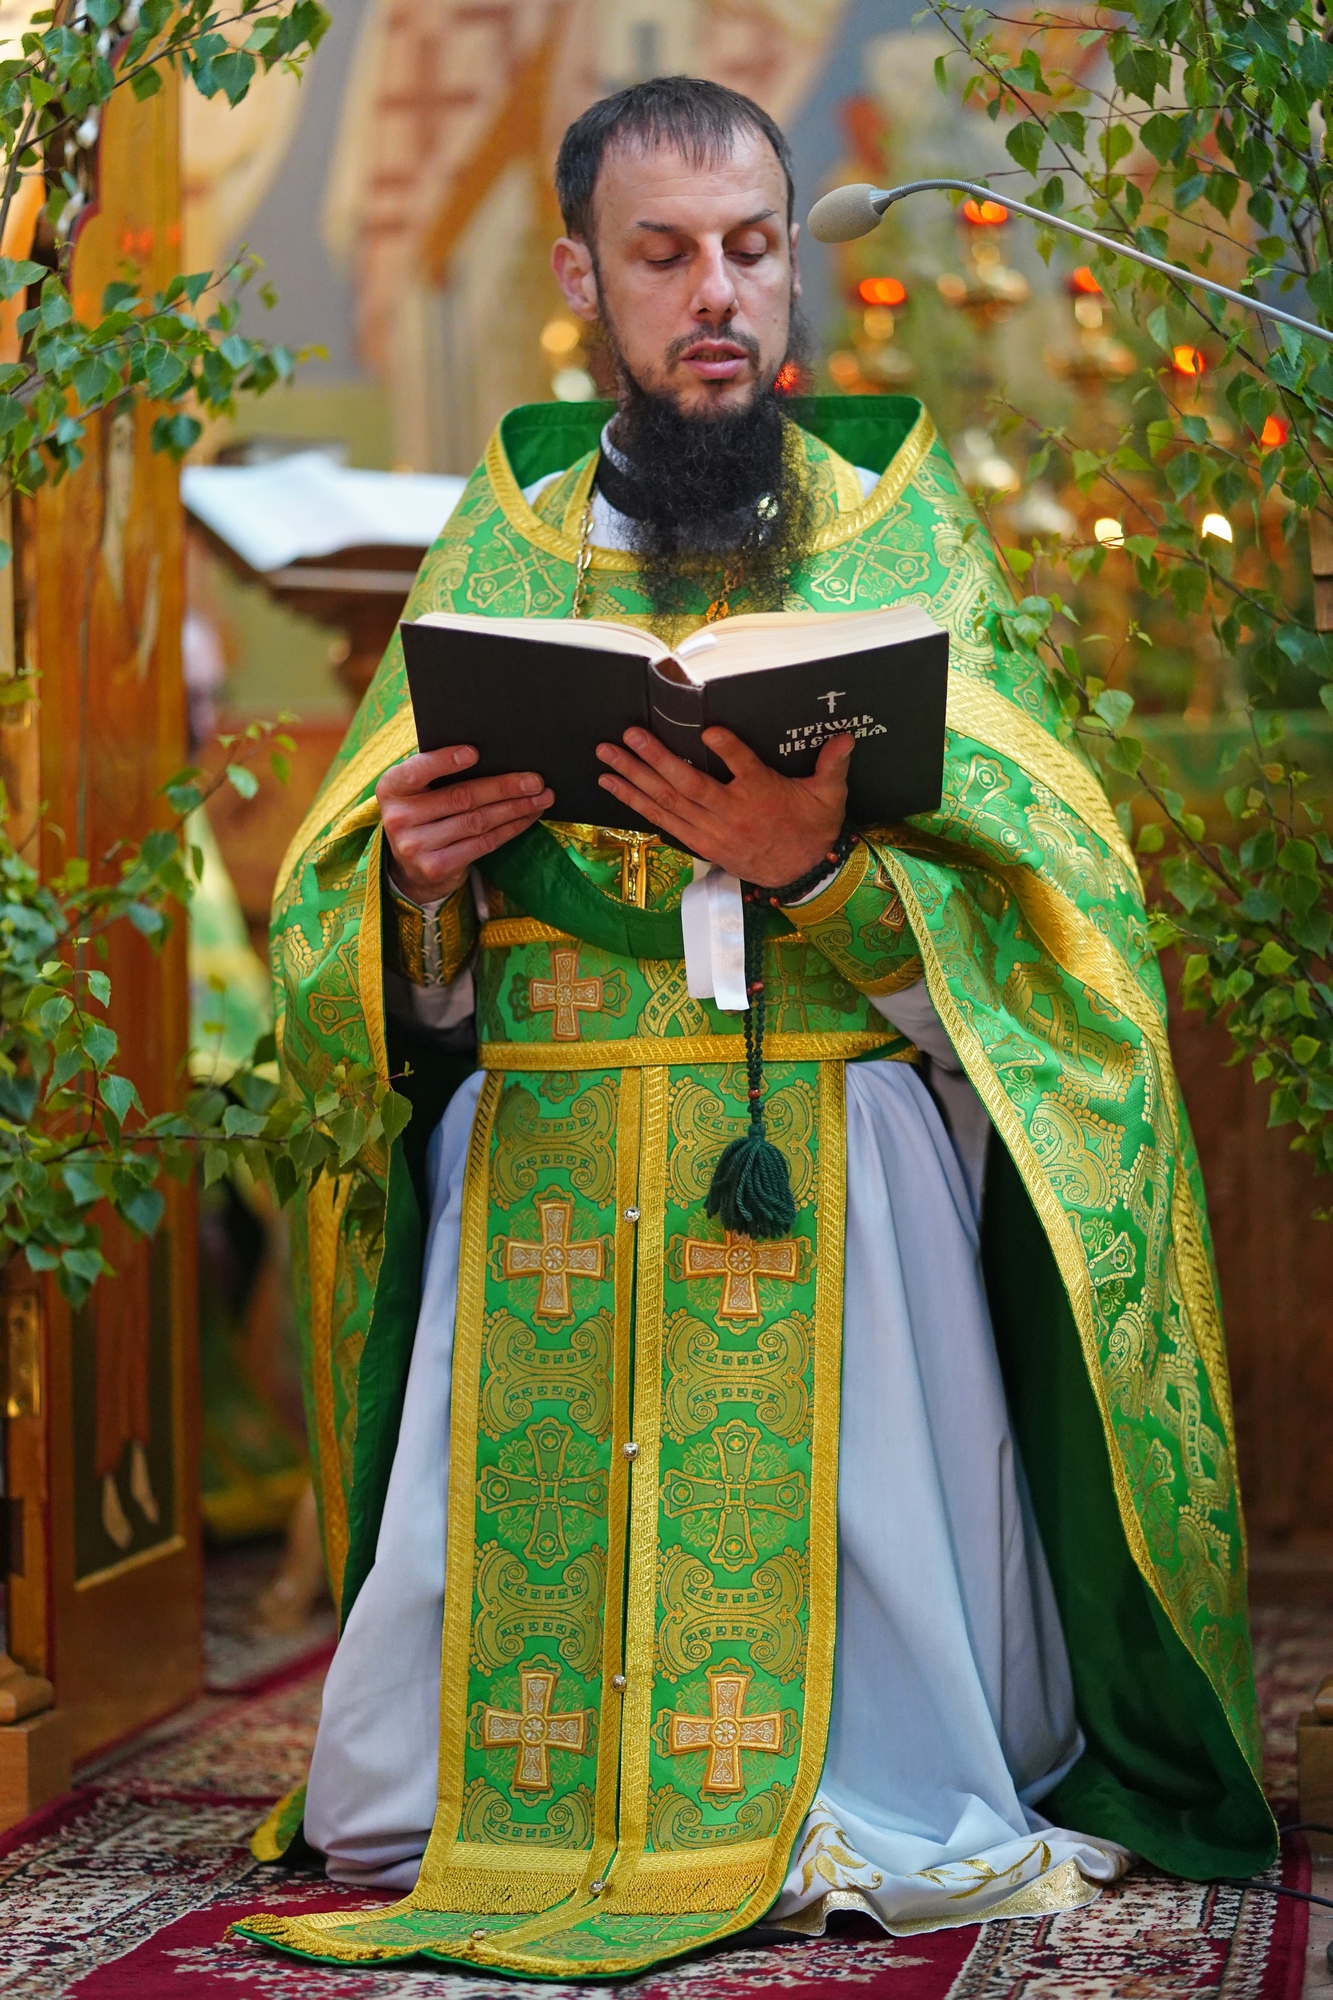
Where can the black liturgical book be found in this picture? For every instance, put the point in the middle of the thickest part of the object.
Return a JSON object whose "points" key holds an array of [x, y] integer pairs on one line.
{"points": [[541, 694]]}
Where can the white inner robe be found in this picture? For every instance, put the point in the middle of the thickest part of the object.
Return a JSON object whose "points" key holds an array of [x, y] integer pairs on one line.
{"points": [[953, 1711]]}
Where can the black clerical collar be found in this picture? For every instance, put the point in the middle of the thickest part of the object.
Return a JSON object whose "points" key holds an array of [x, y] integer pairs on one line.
{"points": [[619, 487]]}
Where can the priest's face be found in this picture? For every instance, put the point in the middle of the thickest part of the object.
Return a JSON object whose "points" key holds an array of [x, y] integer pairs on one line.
{"points": [[692, 271]]}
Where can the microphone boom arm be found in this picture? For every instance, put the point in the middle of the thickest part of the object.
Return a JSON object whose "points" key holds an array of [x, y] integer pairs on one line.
{"points": [[882, 198]]}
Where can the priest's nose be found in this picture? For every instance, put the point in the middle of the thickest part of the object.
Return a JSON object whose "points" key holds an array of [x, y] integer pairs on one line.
{"points": [[715, 293]]}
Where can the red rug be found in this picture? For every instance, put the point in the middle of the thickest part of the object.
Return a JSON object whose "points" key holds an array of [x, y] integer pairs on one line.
{"points": [[125, 1889]]}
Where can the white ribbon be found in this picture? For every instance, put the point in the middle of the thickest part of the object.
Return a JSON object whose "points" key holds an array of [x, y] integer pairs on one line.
{"points": [[712, 918]]}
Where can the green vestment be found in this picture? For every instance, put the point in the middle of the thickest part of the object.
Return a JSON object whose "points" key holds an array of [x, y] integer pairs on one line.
{"points": [[639, 1613]]}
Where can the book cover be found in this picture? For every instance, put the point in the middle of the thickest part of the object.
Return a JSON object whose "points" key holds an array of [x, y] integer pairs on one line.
{"points": [[544, 705]]}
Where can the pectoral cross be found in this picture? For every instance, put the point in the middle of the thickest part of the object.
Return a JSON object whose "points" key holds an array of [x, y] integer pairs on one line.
{"points": [[554, 1260], [534, 1730], [740, 1262], [735, 1495], [634, 851], [725, 1731]]}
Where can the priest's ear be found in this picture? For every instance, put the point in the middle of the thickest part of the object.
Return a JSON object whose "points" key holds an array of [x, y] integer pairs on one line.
{"points": [[576, 275]]}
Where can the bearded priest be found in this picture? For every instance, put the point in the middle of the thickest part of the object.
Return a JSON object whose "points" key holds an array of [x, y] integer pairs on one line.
{"points": [[875, 1546]]}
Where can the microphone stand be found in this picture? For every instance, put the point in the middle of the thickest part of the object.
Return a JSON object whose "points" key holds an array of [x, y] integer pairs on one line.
{"points": [[880, 199]]}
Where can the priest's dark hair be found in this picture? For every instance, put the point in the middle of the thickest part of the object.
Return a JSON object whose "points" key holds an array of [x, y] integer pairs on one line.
{"points": [[698, 118]]}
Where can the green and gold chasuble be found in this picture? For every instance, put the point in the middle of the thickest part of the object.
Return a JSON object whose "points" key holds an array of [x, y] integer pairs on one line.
{"points": [[640, 1601]]}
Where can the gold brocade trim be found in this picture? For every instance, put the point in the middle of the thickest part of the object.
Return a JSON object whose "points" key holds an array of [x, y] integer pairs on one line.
{"points": [[846, 484], [641, 1581], [991, 719], [442, 1882], [897, 475], [580, 494], [394, 739], [648, 1051], [408, 937], [897, 982], [637, 1108], [839, 892], [370, 958], [498, 933], [324, 1214], [1060, 1233], [1070, 937], [1064, 1887], [264, 1840]]}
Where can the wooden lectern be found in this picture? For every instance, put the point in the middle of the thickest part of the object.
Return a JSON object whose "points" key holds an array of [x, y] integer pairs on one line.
{"points": [[102, 1549]]}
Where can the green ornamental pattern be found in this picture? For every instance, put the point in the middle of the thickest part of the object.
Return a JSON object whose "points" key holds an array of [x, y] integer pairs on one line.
{"points": [[1020, 904]]}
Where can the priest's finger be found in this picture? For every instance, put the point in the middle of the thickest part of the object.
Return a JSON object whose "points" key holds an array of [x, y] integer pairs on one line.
{"points": [[414, 843], [684, 832], [738, 757], [644, 750], [828, 780], [415, 773], [463, 853], [644, 779], [421, 808]]}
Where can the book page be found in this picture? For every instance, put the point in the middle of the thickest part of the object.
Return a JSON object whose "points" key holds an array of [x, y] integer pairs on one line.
{"points": [[602, 635], [760, 640]]}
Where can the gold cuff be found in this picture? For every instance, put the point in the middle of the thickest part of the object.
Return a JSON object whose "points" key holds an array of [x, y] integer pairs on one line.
{"points": [[839, 891], [430, 951]]}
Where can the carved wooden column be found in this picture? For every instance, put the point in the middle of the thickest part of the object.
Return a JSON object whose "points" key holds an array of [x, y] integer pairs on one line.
{"points": [[104, 1586]]}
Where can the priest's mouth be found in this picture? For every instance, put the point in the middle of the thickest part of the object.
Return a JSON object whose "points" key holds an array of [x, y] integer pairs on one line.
{"points": [[717, 360]]}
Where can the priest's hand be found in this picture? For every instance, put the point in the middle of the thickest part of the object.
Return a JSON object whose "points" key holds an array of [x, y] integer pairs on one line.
{"points": [[762, 827], [435, 836]]}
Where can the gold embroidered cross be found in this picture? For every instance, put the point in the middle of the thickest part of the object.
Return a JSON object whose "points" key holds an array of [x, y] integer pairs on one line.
{"points": [[735, 1495], [533, 1730], [555, 1259], [726, 1730], [740, 1262], [564, 995], [548, 1491]]}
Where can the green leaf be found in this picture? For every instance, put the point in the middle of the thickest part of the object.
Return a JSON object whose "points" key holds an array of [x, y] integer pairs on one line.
{"points": [[1069, 128], [86, 1264], [17, 273], [1273, 961], [145, 83], [242, 780], [1114, 707], [82, 1182], [100, 988], [144, 1210], [237, 1122], [100, 1043], [1305, 1048], [119, 1095], [1114, 144], [1159, 329], [1162, 136], [1024, 144], [175, 434], [395, 1112]]}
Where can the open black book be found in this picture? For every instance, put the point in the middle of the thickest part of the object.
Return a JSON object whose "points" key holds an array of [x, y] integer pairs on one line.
{"points": [[541, 694]]}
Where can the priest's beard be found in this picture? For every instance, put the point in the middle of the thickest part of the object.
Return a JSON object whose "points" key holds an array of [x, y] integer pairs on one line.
{"points": [[719, 500]]}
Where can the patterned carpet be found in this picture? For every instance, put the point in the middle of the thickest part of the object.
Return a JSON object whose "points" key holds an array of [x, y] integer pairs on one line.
{"points": [[124, 1890]]}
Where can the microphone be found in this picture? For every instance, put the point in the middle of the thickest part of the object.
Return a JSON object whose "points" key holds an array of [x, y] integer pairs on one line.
{"points": [[855, 210]]}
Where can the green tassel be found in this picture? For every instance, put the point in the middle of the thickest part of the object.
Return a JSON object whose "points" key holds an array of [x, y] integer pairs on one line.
{"points": [[751, 1190]]}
